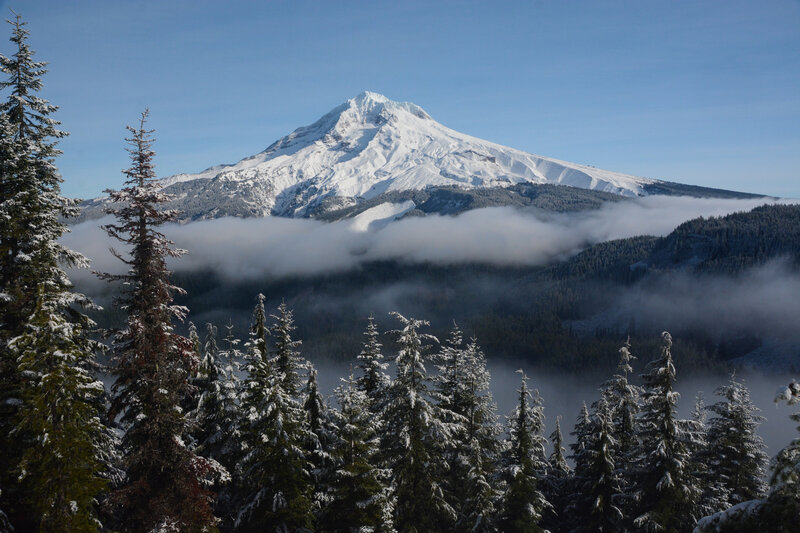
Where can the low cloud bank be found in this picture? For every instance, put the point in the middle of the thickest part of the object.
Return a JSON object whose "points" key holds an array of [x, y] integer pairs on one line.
{"points": [[278, 247]]}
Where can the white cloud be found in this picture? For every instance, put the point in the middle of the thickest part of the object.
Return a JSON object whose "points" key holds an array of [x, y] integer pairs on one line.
{"points": [[279, 247]]}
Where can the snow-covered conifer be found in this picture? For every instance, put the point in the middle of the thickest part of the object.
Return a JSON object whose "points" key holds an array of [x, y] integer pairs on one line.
{"points": [[666, 489], [322, 432], [414, 437], [166, 481], [602, 487], [780, 510], [556, 484], [462, 391], [373, 380], [359, 498], [523, 503], [623, 399], [51, 438], [61, 468], [735, 451], [286, 359], [275, 472], [256, 345]]}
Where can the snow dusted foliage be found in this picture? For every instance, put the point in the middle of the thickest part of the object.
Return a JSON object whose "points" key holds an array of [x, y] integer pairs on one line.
{"points": [[556, 483], [166, 481], [256, 345], [623, 401], [415, 437], [373, 380], [215, 419], [604, 489], [275, 471], [523, 503], [322, 433], [735, 451], [462, 391], [780, 510], [286, 359], [51, 437], [359, 499], [61, 468], [665, 488]]}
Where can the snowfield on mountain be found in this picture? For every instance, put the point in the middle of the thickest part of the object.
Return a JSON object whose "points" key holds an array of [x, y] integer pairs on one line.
{"points": [[365, 147]]}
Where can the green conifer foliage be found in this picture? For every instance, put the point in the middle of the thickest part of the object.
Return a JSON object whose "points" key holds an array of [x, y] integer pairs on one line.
{"points": [[49, 425], [359, 498], [523, 502], [166, 481]]}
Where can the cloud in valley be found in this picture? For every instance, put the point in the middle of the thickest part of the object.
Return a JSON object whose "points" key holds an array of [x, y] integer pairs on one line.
{"points": [[279, 247]]}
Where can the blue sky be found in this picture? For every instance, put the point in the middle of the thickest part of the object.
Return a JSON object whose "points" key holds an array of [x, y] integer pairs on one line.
{"points": [[705, 92]]}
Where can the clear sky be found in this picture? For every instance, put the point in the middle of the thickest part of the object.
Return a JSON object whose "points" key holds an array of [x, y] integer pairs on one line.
{"points": [[706, 92]]}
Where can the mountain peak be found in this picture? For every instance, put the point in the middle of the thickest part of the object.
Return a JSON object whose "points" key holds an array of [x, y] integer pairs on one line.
{"points": [[369, 103], [363, 148]]}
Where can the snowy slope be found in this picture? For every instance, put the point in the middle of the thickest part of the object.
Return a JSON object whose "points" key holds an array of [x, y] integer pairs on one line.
{"points": [[365, 147]]}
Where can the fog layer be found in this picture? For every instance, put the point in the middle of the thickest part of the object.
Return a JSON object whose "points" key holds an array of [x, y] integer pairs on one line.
{"points": [[257, 247]]}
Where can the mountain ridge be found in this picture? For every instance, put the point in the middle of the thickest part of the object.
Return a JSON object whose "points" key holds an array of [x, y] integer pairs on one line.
{"points": [[363, 148]]}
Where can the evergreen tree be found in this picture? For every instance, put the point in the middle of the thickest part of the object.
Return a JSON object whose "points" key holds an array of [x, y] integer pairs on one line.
{"points": [[322, 433], [714, 495], [61, 467], [414, 438], [51, 439], [578, 505], [462, 390], [624, 402], [256, 346], [602, 485], [779, 510], [373, 380], [359, 498], [206, 385], [556, 484], [166, 481], [275, 472], [735, 449], [194, 341], [286, 359], [666, 490], [218, 412], [623, 399], [523, 502]]}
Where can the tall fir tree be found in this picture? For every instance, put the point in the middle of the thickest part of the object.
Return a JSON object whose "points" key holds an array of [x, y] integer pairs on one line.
{"points": [[373, 380], [735, 451], [359, 499], [602, 487], [624, 400], [462, 390], [286, 359], [166, 481], [320, 420], [415, 436], [780, 510], [50, 432], [556, 484], [523, 503], [276, 473], [666, 489]]}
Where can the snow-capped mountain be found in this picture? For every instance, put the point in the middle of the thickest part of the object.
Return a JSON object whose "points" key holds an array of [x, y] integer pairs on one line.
{"points": [[365, 147]]}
